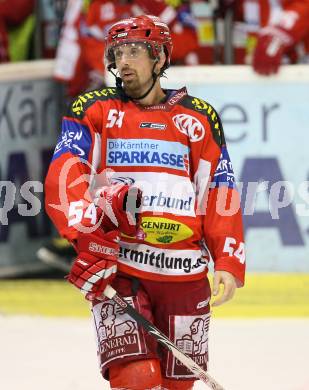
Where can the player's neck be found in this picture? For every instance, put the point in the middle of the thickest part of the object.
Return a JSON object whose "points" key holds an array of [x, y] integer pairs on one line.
{"points": [[155, 96]]}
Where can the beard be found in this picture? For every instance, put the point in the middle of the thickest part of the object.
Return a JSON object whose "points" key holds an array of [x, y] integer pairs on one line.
{"points": [[132, 87], [135, 88]]}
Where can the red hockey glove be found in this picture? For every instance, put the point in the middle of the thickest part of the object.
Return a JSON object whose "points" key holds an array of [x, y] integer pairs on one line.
{"points": [[271, 45], [96, 264], [120, 204]]}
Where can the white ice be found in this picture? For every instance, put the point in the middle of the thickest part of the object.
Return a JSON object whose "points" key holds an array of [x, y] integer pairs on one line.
{"points": [[59, 354]]}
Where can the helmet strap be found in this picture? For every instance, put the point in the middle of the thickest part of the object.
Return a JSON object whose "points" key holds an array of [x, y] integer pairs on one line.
{"points": [[117, 78]]}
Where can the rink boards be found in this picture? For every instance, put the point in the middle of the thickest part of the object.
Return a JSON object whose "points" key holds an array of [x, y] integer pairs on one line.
{"points": [[264, 295]]}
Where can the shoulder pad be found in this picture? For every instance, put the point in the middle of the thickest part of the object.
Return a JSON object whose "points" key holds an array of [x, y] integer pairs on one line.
{"points": [[80, 105], [207, 110]]}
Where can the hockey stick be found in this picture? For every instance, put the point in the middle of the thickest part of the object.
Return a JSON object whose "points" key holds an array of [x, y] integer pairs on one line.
{"points": [[110, 293]]}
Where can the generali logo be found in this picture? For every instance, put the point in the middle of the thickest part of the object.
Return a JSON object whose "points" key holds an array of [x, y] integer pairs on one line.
{"points": [[189, 125]]}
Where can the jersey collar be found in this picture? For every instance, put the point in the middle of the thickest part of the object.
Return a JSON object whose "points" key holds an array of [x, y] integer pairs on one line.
{"points": [[173, 97]]}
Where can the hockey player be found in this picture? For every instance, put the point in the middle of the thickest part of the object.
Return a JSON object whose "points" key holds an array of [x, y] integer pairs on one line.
{"points": [[170, 146], [79, 64], [284, 36]]}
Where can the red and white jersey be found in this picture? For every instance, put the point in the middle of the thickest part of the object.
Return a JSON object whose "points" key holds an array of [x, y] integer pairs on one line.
{"points": [[176, 153], [290, 15]]}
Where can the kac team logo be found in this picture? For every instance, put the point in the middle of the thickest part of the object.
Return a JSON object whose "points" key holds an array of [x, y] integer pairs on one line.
{"points": [[189, 125]]}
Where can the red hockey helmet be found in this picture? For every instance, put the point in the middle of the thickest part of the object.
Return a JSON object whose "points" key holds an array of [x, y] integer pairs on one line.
{"points": [[145, 28]]}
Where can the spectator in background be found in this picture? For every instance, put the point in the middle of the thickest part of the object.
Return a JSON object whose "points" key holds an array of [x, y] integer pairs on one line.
{"points": [[287, 27], [268, 33], [50, 16], [177, 14], [68, 50], [79, 61], [13, 14]]}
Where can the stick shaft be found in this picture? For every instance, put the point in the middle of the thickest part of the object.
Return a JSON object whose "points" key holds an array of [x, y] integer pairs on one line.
{"points": [[110, 293]]}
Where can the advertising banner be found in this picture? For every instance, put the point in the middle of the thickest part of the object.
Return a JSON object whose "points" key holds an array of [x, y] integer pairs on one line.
{"points": [[266, 124], [29, 122]]}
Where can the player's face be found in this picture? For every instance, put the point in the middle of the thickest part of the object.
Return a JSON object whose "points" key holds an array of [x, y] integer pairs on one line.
{"points": [[135, 67]]}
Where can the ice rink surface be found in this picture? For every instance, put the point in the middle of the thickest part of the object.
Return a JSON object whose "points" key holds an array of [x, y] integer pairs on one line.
{"points": [[59, 354]]}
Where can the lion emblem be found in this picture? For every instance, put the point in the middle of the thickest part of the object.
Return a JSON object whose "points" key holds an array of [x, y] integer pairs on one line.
{"points": [[111, 326], [197, 340]]}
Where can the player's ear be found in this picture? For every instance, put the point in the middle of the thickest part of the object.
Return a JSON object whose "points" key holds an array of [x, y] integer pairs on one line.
{"points": [[161, 61]]}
